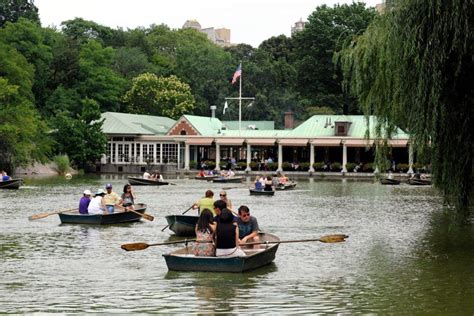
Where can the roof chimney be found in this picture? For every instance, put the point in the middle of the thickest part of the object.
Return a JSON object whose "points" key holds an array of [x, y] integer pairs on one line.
{"points": [[289, 120], [213, 111]]}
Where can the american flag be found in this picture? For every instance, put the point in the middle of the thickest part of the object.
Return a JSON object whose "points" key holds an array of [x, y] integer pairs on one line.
{"points": [[237, 74]]}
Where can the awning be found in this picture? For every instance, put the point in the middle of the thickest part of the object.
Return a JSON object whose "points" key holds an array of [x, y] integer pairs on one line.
{"points": [[398, 142], [326, 142], [294, 142], [230, 141], [358, 142], [261, 141], [199, 141]]}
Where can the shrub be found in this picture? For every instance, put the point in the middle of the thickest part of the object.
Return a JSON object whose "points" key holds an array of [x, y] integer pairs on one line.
{"points": [[272, 166], [368, 167], [335, 166], [223, 164], [62, 163], [242, 165], [350, 166], [304, 166], [403, 167], [319, 166], [192, 164], [286, 166], [210, 164], [253, 165]]}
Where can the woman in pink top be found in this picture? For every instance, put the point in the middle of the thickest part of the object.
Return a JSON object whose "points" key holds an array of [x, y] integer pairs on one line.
{"points": [[205, 230]]}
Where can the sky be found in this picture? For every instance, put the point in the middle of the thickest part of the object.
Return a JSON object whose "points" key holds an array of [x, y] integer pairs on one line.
{"points": [[250, 21]]}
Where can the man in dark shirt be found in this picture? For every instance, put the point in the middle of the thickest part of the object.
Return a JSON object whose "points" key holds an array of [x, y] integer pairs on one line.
{"points": [[248, 226]]}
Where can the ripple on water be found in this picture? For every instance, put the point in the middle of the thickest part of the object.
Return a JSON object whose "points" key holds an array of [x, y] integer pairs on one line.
{"points": [[393, 262]]}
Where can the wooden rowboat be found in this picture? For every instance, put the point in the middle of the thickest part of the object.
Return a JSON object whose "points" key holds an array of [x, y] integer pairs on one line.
{"points": [[182, 225], [261, 192], [184, 260], [228, 180], [11, 184], [141, 181], [286, 186], [387, 181], [207, 178], [414, 181], [102, 219]]}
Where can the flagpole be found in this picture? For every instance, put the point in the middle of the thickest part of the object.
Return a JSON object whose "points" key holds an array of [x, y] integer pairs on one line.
{"points": [[240, 99]]}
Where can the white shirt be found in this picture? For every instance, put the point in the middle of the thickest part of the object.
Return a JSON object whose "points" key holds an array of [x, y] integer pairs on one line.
{"points": [[146, 175], [95, 206], [230, 173]]}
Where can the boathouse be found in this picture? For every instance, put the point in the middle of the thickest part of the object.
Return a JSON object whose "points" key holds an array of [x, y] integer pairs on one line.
{"points": [[140, 142]]}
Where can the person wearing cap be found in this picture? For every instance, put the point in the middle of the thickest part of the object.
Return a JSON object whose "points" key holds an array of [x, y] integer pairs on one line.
{"points": [[84, 202], [111, 199], [97, 206]]}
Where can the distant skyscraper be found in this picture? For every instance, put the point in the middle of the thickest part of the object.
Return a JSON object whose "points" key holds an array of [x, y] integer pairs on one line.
{"points": [[299, 26], [220, 36]]}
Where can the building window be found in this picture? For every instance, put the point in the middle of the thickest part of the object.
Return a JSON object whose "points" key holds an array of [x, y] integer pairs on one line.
{"points": [[151, 149], [183, 132], [170, 153], [120, 152], [108, 153], [342, 128], [158, 153]]}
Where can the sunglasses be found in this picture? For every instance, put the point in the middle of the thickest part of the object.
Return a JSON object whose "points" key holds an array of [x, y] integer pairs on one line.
{"points": [[245, 215], [222, 194]]}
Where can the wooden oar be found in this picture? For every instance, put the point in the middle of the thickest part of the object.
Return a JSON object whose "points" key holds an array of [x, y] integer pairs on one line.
{"points": [[325, 239], [142, 245], [181, 214], [43, 215], [145, 216]]}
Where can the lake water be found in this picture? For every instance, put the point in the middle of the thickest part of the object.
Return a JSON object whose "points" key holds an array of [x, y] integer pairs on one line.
{"points": [[405, 255]]}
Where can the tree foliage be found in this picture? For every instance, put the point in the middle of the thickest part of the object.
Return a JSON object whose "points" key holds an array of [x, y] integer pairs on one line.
{"points": [[165, 96], [13, 10], [414, 68]]}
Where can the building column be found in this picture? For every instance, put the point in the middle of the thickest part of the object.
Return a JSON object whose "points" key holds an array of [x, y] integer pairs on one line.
{"points": [[116, 153], [280, 158], [195, 152], [186, 156], [249, 158], [218, 157], [311, 158], [410, 159], [344, 158]]}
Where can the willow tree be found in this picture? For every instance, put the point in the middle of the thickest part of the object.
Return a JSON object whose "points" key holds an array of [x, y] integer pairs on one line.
{"points": [[413, 67]]}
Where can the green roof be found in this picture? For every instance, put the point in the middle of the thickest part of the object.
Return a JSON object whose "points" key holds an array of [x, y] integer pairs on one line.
{"points": [[260, 125], [206, 126], [135, 124], [323, 126]]}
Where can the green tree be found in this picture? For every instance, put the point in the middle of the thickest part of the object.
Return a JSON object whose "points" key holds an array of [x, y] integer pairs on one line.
{"points": [[12, 10], [27, 38], [98, 81], [23, 137], [166, 96], [318, 80], [413, 67], [80, 136]]}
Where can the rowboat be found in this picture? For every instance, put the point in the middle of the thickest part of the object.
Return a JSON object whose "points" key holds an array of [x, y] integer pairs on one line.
{"points": [[414, 181], [261, 192], [285, 186], [207, 178], [228, 180], [387, 181], [259, 256], [11, 184], [74, 217], [141, 181], [182, 225]]}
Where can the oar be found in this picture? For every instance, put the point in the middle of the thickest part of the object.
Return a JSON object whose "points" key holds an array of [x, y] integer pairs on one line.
{"points": [[142, 245], [145, 216], [181, 214], [325, 239], [43, 215]]}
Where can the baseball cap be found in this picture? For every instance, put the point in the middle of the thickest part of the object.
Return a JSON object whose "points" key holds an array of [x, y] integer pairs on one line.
{"points": [[87, 192], [108, 186]]}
